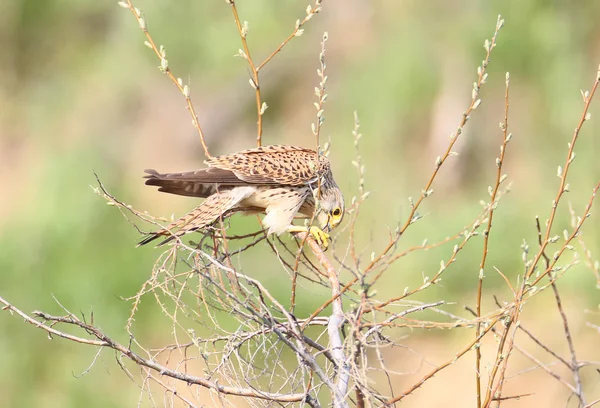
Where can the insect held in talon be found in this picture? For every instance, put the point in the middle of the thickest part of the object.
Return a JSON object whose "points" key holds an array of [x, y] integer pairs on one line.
{"points": [[284, 182]]}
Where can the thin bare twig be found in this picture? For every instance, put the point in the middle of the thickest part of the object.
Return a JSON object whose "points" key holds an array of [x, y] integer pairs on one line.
{"points": [[261, 107], [320, 92], [161, 53], [563, 173], [298, 31]]}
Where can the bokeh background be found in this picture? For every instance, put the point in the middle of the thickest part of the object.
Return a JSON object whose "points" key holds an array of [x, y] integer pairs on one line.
{"points": [[80, 93]]}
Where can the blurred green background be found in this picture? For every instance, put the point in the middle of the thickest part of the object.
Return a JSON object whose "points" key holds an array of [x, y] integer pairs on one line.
{"points": [[80, 93]]}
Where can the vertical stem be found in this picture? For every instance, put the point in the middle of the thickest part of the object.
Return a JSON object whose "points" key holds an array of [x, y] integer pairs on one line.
{"points": [[333, 327], [486, 238], [254, 81]]}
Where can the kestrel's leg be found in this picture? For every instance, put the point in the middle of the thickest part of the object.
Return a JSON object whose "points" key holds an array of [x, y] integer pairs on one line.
{"points": [[317, 233], [202, 216]]}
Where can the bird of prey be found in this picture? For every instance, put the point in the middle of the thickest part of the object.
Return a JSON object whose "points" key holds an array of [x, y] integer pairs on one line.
{"points": [[282, 181]]}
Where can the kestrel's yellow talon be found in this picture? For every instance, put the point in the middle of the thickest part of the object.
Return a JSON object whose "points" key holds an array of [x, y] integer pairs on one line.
{"points": [[320, 236], [317, 233]]}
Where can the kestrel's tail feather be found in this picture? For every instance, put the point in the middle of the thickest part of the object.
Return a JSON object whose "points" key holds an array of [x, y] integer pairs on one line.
{"points": [[202, 216]]}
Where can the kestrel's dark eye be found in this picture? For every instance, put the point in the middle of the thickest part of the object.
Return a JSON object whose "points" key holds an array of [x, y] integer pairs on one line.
{"points": [[336, 212]]}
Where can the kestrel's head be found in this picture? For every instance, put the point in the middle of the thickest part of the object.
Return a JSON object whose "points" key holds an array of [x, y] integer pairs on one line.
{"points": [[330, 205]]}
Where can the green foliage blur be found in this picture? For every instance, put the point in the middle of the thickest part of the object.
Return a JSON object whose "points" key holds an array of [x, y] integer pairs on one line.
{"points": [[80, 93]]}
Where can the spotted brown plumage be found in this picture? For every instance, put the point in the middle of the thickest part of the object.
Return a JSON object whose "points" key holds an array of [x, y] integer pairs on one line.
{"points": [[283, 181]]}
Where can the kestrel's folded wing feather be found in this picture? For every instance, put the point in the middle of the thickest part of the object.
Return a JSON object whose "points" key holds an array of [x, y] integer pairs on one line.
{"points": [[277, 164], [202, 216], [199, 183]]}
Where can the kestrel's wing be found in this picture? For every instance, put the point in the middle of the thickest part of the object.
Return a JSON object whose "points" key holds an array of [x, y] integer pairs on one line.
{"points": [[199, 183], [267, 165], [202, 216], [277, 164]]}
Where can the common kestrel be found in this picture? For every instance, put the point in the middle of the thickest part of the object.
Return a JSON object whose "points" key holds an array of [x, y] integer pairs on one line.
{"points": [[283, 181]]}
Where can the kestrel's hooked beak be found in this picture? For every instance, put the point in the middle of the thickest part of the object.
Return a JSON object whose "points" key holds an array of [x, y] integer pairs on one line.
{"points": [[329, 225], [323, 219]]}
